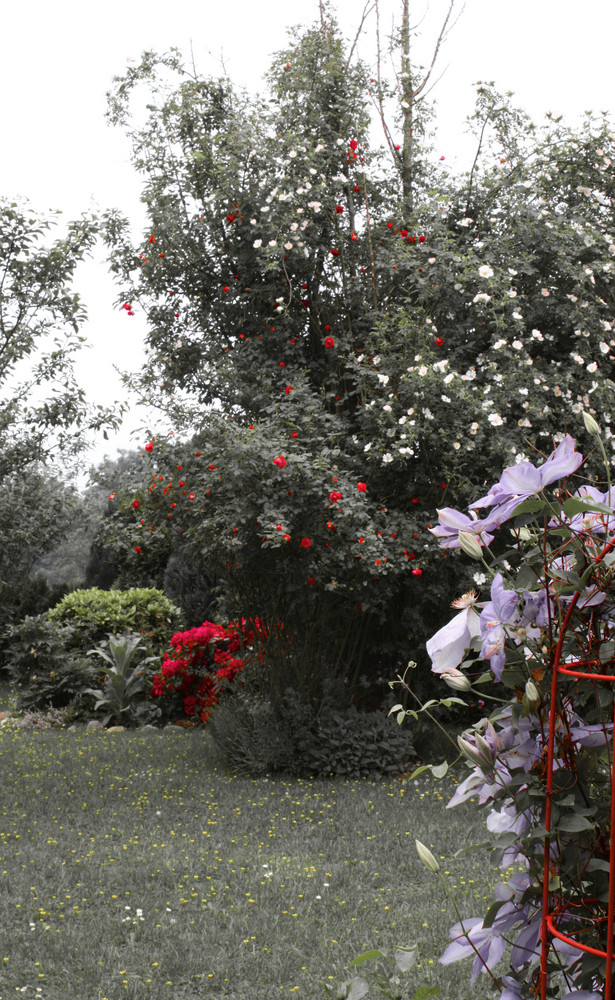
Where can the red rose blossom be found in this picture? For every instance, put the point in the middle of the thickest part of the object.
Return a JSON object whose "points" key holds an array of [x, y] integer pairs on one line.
{"points": [[138, 549], [149, 446], [335, 495], [305, 543], [417, 572], [421, 239], [329, 342], [335, 253], [280, 461], [362, 487], [353, 143], [311, 581], [438, 342], [135, 504], [288, 389]]}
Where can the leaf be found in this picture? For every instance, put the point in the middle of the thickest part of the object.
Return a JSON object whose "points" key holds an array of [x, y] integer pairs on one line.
{"points": [[573, 823], [531, 506], [576, 506], [439, 770], [424, 992], [355, 988], [406, 957], [492, 912], [366, 957]]}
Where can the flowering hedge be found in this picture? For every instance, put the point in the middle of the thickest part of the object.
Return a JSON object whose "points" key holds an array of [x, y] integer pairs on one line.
{"points": [[202, 662], [542, 761]]}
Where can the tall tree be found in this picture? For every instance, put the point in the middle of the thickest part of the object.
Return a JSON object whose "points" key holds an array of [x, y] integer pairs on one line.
{"points": [[347, 358]]}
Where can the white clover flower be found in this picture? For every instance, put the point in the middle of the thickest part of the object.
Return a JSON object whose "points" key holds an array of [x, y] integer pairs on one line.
{"points": [[292, 153], [383, 379], [604, 347], [367, 446], [465, 223], [517, 315], [410, 411], [473, 428], [432, 260], [485, 271], [498, 344], [449, 378], [512, 293], [252, 222], [294, 227], [512, 271], [319, 147], [265, 208], [257, 243], [376, 360], [423, 370], [427, 413], [545, 292], [524, 422], [340, 142], [495, 419], [313, 171], [457, 446], [288, 246], [273, 243], [517, 345], [479, 579], [482, 297], [402, 420], [387, 408], [316, 205], [592, 367]]}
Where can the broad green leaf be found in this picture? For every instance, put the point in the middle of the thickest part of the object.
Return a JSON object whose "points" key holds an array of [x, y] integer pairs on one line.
{"points": [[533, 505], [366, 957], [424, 992], [573, 823], [439, 770], [574, 505]]}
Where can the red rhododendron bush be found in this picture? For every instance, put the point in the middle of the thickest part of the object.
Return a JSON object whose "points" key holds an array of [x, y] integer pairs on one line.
{"points": [[203, 662]]}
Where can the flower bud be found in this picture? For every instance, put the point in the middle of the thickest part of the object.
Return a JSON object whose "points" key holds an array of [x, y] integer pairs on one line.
{"points": [[590, 424], [470, 752], [427, 857], [531, 692], [469, 543], [483, 748], [456, 680]]}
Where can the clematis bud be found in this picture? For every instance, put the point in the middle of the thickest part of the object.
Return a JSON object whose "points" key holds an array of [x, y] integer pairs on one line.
{"points": [[456, 680], [469, 543], [531, 692], [427, 857], [590, 424]]}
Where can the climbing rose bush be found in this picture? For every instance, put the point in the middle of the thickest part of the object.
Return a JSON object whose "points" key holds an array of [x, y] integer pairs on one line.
{"points": [[542, 762]]}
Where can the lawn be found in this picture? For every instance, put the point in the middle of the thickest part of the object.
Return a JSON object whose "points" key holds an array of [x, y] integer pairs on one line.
{"points": [[133, 865]]}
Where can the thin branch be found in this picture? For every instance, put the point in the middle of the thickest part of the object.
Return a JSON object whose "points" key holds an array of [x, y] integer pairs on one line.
{"points": [[480, 142], [366, 12], [437, 49]]}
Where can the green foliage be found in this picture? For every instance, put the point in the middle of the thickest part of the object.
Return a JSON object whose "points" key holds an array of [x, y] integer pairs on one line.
{"points": [[94, 613], [352, 743], [361, 314], [255, 737], [45, 669], [122, 694], [251, 737]]}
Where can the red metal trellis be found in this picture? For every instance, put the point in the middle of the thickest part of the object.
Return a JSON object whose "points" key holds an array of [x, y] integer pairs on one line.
{"points": [[551, 913]]}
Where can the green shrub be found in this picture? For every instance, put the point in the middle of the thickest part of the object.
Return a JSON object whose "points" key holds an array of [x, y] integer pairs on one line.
{"points": [[42, 669], [94, 614], [352, 743], [254, 737], [251, 737]]}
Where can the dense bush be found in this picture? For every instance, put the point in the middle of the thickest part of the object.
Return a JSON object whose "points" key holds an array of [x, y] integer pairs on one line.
{"points": [[254, 737], [43, 670], [94, 613]]}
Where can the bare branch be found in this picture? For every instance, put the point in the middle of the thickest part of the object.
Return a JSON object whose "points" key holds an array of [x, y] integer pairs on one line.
{"points": [[441, 37], [366, 12]]}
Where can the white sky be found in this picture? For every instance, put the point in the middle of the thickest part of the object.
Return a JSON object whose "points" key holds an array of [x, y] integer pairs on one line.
{"points": [[57, 60]]}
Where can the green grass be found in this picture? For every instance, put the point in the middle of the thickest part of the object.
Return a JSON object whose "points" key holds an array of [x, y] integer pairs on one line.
{"points": [[132, 865]]}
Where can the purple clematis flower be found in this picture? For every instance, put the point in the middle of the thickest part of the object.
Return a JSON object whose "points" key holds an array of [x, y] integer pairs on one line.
{"points": [[453, 521], [447, 647], [518, 482], [500, 611]]}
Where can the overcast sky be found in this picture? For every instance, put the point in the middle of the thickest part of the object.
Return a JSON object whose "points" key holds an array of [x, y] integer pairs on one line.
{"points": [[57, 61]]}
